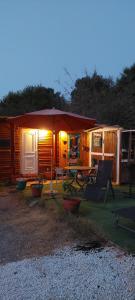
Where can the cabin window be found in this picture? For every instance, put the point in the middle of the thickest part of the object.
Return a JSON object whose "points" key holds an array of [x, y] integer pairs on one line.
{"points": [[96, 140]]}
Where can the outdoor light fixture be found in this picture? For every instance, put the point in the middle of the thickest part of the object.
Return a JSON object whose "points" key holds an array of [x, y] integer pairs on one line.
{"points": [[63, 134], [42, 133], [31, 131]]}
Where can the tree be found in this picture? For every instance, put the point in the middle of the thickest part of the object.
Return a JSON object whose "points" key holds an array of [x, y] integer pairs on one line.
{"points": [[93, 96], [125, 95], [29, 99], [107, 101], [90, 95]]}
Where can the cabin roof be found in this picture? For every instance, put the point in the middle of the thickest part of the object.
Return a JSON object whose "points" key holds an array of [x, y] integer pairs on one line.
{"points": [[101, 126]]}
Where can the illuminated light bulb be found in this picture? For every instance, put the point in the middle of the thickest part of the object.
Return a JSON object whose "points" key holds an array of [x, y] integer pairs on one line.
{"points": [[63, 134], [31, 131], [42, 133]]}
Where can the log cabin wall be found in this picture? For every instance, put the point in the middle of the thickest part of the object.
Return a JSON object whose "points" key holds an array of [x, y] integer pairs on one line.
{"points": [[63, 149], [5, 151], [84, 148], [17, 150], [45, 145]]}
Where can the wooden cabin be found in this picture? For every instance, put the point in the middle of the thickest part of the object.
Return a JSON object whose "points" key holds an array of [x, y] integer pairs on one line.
{"points": [[114, 143], [28, 152]]}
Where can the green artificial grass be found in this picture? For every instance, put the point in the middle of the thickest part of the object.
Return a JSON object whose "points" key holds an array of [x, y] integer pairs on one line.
{"points": [[99, 214]]}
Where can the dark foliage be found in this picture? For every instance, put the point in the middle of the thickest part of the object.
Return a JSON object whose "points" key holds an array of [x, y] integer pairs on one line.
{"points": [[107, 101], [93, 96], [29, 99]]}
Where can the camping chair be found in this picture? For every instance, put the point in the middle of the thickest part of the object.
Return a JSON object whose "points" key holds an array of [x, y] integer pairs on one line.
{"points": [[98, 191], [126, 213]]}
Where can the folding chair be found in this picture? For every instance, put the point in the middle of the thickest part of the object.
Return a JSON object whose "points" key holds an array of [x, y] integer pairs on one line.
{"points": [[98, 191]]}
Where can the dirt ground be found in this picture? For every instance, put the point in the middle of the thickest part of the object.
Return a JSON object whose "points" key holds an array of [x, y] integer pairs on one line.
{"points": [[27, 232]]}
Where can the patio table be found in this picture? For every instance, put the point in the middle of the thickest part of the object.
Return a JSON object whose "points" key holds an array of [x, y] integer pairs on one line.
{"points": [[80, 177]]}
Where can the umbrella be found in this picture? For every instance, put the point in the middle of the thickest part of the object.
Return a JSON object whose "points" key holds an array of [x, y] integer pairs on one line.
{"points": [[54, 120]]}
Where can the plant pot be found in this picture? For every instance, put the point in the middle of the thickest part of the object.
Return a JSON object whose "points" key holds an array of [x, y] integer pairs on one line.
{"points": [[36, 189], [71, 205], [21, 184]]}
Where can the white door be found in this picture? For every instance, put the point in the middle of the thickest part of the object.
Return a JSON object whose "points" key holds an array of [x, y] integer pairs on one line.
{"points": [[29, 155]]}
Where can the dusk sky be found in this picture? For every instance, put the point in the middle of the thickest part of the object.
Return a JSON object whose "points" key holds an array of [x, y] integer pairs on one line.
{"points": [[40, 38]]}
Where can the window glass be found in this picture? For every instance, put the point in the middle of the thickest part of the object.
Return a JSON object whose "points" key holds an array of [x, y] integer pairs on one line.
{"points": [[97, 141]]}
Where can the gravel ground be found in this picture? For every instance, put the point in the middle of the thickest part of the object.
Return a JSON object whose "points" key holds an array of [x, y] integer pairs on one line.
{"points": [[68, 274]]}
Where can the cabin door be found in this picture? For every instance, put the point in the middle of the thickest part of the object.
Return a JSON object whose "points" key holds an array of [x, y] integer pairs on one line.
{"points": [[29, 151]]}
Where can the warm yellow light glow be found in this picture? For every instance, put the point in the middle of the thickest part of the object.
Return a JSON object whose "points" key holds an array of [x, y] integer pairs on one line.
{"points": [[31, 131], [63, 134], [42, 133]]}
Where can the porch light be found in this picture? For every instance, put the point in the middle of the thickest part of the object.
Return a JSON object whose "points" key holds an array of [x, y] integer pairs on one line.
{"points": [[31, 131], [42, 133], [63, 135]]}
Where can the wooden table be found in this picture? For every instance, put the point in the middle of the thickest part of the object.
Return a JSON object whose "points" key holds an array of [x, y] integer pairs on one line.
{"points": [[79, 168]]}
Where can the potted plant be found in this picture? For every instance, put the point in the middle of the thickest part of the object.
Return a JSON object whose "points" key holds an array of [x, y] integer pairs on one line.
{"points": [[21, 183], [36, 188], [71, 204]]}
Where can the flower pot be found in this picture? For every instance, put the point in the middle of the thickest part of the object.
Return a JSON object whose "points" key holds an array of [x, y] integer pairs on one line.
{"points": [[71, 205], [21, 184], [36, 189]]}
